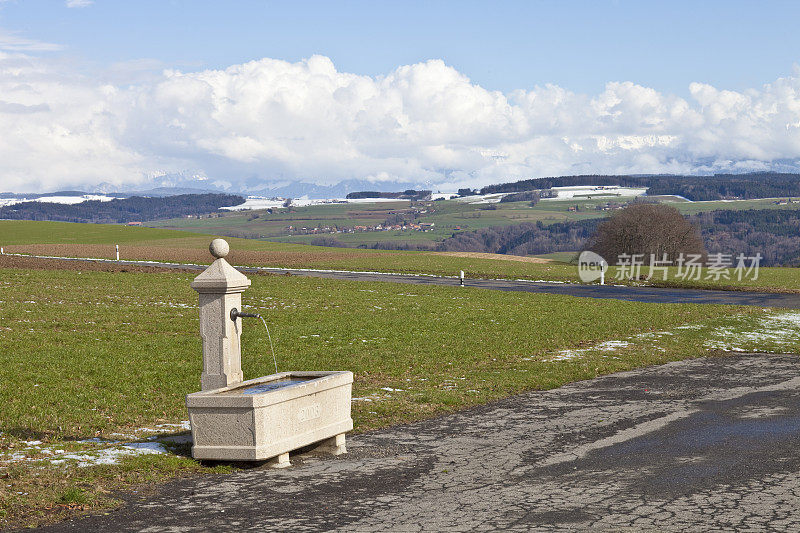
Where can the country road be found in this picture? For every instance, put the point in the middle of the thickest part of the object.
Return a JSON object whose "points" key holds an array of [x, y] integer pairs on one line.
{"points": [[707, 444], [617, 292]]}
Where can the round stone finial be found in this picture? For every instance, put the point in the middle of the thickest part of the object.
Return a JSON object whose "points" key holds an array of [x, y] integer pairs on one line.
{"points": [[219, 248]]}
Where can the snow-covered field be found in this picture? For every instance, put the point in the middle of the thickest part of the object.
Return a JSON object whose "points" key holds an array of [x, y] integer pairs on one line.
{"points": [[483, 198], [254, 202], [57, 199], [444, 195], [586, 191]]}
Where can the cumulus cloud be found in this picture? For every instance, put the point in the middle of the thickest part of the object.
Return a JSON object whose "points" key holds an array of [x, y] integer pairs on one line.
{"points": [[270, 120]]}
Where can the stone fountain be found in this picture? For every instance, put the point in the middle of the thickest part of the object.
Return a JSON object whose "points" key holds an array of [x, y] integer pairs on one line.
{"points": [[266, 417]]}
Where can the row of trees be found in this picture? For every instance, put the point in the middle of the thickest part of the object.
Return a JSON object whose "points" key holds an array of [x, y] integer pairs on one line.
{"points": [[642, 228], [522, 239], [528, 196], [518, 239], [696, 188], [774, 233], [409, 194], [566, 181]]}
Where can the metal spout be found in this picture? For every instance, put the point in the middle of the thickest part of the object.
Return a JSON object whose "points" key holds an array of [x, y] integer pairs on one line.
{"points": [[235, 313]]}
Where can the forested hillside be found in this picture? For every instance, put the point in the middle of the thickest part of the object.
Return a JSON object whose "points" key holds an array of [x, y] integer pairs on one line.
{"points": [[775, 234], [518, 239], [409, 194], [522, 239], [695, 188], [135, 208]]}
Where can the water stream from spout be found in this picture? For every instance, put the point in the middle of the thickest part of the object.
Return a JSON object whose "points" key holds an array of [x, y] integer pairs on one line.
{"points": [[270, 343]]}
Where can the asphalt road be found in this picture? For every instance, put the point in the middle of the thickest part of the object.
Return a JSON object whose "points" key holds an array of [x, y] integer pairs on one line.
{"points": [[703, 445], [634, 294]]}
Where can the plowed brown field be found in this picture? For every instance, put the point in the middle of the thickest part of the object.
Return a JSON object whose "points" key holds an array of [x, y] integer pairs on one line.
{"points": [[502, 257], [34, 263], [198, 255]]}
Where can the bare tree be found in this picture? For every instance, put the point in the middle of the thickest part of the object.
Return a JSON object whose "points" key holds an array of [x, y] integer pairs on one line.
{"points": [[647, 229]]}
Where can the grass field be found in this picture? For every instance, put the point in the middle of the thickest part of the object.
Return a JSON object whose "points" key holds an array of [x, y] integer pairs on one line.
{"points": [[64, 239], [110, 356], [29, 232], [449, 216]]}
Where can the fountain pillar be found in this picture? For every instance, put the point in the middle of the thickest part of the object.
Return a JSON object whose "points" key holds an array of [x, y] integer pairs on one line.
{"points": [[220, 288]]}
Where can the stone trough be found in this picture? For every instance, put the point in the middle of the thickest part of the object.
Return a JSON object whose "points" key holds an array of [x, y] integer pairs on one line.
{"points": [[266, 417]]}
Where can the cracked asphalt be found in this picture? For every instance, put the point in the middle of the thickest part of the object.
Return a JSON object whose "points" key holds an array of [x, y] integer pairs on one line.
{"points": [[702, 445]]}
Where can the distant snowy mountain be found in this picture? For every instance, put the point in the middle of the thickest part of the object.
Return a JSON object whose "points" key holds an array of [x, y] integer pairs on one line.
{"points": [[170, 185], [163, 192], [187, 183], [339, 190]]}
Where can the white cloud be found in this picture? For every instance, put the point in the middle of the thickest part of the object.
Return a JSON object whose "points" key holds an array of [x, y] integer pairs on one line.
{"points": [[12, 42], [79, 3], [271, 120]]}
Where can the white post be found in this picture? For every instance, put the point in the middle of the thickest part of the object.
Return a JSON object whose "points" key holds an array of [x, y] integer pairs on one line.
{"points": [[2, 252], [117, 246], [461, 278], [602, 276], [220, 288]]}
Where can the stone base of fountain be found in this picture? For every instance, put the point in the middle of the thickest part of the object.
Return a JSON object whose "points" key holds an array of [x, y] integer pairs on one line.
{"points": [[267, 417]]}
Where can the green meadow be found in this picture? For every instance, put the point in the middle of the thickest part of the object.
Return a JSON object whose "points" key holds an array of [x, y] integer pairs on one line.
{"points": [[138, 243], [448, 217], [101, 355]]}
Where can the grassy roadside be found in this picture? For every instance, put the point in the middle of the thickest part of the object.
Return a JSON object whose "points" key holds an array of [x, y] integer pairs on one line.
{"points": [[67, 240], [771, 279], [447, 216], [98, 361], [778, 280]]}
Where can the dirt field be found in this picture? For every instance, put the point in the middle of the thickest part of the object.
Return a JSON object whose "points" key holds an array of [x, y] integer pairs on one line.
{"points": [[197, 255], [503, 257], [33, 263]]}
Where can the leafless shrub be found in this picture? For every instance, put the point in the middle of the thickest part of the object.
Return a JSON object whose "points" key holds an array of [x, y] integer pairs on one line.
{"points": [[647, 229]]}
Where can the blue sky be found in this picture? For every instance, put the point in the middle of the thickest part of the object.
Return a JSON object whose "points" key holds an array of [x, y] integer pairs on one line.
{"points": [[246, 93], [499, 45]]}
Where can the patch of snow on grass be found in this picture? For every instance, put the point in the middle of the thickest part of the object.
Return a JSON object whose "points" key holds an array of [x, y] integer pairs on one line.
{"points": [[110, 456], [184, 425], [100, 451], [773, 333], [607, 346], [610, 345]]}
